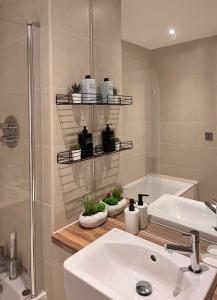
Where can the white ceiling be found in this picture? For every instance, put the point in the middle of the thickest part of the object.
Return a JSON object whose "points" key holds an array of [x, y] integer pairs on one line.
{"points": [[146, 22]]}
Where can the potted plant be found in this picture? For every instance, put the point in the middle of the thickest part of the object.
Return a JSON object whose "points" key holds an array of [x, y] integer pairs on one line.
{"points": [[115, 201], [75, 92], [115, 98], [93, 215], [76, 152], [117, 144]]}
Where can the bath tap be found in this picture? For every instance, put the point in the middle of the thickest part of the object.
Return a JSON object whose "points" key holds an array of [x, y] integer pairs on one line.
{"points": [[213, 209], [9, 266], [194, 249], [3, 263]]}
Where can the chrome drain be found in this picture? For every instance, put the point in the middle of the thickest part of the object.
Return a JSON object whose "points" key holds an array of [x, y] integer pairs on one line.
{"points": [[144, 288]]}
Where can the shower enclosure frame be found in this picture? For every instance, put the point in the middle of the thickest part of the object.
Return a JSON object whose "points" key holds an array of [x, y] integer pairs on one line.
{"points": [[31, 75]]}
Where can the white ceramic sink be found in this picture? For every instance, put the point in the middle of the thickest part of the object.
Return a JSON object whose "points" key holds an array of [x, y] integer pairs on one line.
{"points": [[110, 267], [184, 214]]}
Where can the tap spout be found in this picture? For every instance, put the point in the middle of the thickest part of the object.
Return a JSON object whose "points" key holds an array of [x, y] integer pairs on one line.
{"points": [[178, 248], [194, 249]]}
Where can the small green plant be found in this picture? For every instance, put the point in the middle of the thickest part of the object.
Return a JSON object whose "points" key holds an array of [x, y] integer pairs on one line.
{"points": [[75, 88], [118, 192], [117, 140], [116, 91], [110, 200], [100, 207], [91, 208], [75, 147]]}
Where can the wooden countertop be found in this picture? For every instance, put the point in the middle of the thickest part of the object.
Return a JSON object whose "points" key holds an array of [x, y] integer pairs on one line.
{"points": [[73, 238]]}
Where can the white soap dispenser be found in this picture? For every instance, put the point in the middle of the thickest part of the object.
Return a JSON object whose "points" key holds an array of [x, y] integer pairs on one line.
{"points": [[131, 214], [143, 211], [88, 88], [106, 90]]}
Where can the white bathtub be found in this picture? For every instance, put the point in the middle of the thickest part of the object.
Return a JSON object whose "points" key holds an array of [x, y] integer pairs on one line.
{"points": [[156, 185], [12, 289]]}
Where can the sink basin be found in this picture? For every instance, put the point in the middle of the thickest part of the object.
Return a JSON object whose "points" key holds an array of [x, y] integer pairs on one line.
{"points": [[110, 268], [184, 214]]}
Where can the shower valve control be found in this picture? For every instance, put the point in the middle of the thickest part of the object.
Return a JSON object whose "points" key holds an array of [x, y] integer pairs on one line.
{"points": [[11, 132], [209, 136]]}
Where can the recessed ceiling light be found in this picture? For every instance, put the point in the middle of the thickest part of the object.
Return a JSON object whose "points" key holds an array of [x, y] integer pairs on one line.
{"points": [[172, 31]]}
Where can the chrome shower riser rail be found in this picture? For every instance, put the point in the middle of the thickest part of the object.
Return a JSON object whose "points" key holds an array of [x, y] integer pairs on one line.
{"points": [[30, 65]]}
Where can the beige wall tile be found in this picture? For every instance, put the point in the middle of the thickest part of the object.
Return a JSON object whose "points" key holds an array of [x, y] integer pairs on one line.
{"points": [[44, 231], [182, 59], [182, 133], [180, 155], [107, 21], [10, 32], [108, 63], [136, 118], [46, 175], [179, 110], [208, 158], [208, 59], [179, 171], [129, 49], [208, 110], [207, 184], [66, 213], [179, 87], [184, 81], [43, 60], [73, 182], [58, 291], [13, 57], [23, 11], [208, 86], [72, 16], [59, 255], [133, 165], [46, 117], [70, 58]]}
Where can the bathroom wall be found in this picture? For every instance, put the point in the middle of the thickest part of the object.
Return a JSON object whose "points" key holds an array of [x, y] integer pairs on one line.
{"points": [[70, 62], [184, 88], [107, 63], [64, 185], [137, 118]]}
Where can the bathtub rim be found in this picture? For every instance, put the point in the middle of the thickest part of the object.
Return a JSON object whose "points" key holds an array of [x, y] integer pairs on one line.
{"points": [[191, 183]]}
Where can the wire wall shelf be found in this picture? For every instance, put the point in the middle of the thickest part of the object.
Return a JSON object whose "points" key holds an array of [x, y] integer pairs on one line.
{"points": [[68, 158], [92, 99]]}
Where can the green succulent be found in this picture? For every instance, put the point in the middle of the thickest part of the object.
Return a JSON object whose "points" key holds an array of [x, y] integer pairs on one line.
{"points": [[100, 207], [118, 192], [75, 88], [117, 140], [75, 147], [91, 208], [110, 200], [116, 91]]}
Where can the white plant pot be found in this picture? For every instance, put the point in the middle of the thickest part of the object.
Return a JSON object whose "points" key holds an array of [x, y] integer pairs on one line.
{"points": [[93, 221], [114, 99], [76, 155], [114, 210], [76, 98], [117, 146]]}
